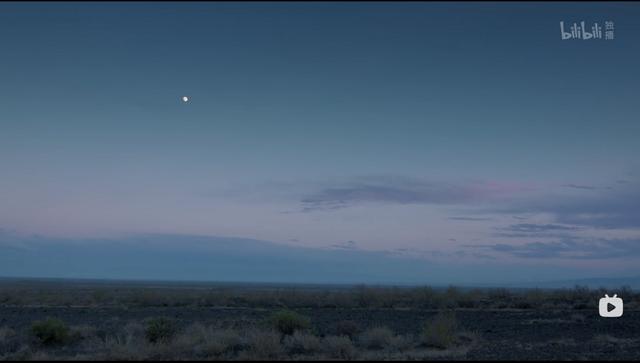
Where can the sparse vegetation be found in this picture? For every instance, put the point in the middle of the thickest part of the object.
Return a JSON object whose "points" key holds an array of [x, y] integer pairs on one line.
{"points": [[219, 342], [311, 324], [366, 297], [339, 347], [288, 322], [263, 344], [7, 335], [376, 338], [302, 343], [347, 328], [440, 332], [160, 330], [50, 331]]}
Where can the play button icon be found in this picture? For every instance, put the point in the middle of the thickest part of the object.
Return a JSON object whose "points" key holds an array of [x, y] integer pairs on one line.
{"points": [[610, 307]]}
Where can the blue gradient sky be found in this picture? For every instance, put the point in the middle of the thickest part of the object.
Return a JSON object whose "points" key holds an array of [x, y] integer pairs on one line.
{"points": [[464, 133]]}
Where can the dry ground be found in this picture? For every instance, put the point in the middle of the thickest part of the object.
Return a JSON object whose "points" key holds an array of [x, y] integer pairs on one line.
{"points": [[117, 321]]}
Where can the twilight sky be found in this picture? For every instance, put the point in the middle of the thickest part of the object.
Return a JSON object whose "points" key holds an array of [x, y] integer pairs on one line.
{"points": [[468, 135]]}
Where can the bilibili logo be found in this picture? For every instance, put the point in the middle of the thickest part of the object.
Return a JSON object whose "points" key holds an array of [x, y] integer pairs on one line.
{"points": [[585, 31]]}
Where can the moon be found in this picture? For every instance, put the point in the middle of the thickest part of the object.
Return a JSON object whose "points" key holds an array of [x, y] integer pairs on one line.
{"points": [[185, 99]]}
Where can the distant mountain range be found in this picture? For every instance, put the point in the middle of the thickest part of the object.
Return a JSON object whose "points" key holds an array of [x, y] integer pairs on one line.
{"points": [[594, 283], [240, 260]]}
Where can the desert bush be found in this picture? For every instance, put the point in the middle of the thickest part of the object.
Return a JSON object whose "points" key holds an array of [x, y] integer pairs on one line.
{"points": [[133, 331], [580, 297], [470, 299], [120, 348], [128, 344], [6, 333], [535, 297], [191, 340], [160, 330], [50, 331], [263, 344], [302, 343], [452, 293], [426, 297], [7, 341], [288, 322], [401, 342], [339, 347], [206, 342], [348, 328], [440, 331], [223, 341], [376, 338], [82, 332]]}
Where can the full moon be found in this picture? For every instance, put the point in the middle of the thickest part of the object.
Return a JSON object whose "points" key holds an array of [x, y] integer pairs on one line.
{"points": [[185, 99]]}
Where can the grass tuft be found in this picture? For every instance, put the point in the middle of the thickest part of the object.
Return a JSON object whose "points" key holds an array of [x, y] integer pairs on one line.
{"points": [[440, 331]]}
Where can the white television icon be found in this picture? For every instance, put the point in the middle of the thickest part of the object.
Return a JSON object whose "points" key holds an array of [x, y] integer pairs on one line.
{"points": [[610, 307]]}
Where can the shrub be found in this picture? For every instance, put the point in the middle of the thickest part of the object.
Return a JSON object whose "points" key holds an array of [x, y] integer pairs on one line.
{"points": [[288, 322], [347, 328], [263, 345], [118, 349], [302, 343], [452, 293], [133, 331], [402, 342], [440, 332], [535, 297], [6, 333], [224, 341], [339, 347], [7, 341], [499, 294], [82, 332], [190, 341], [160, 330], [428, 298], [50, 331], [377, 338], [205, 341]]}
